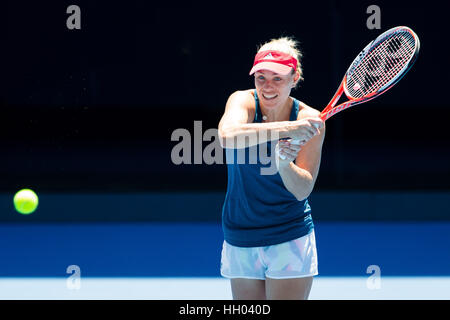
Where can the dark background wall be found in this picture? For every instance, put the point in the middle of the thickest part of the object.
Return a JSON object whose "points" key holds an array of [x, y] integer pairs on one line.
{"points": [[92, 110]]}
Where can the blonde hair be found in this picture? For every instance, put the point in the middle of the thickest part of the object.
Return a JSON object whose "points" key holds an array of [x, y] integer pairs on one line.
{"points": [[287, 45]]}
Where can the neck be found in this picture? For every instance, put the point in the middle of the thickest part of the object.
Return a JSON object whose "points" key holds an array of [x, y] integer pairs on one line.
{"points": [[280, 113]]}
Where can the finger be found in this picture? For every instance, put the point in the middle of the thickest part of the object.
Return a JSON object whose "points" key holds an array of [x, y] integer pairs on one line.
{"points": [[309, 129], [287, 155], [279, 150], [293, 153], [295, 145], [288, 145], [290, 152], [293, 148], [305, 135], [317, 123], [309, 136], [314, 131], [283, 146], [290, 157], [297, 142]]}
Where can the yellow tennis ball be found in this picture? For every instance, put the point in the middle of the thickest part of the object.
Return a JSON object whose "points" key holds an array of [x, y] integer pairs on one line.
{"points": [[25, 201]]}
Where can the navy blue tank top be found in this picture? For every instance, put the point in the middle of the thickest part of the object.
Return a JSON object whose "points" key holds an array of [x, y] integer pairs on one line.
{"points": [[258, 209]]}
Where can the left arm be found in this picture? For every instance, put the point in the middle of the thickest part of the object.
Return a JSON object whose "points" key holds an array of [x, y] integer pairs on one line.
{"points": [[299, 177]]}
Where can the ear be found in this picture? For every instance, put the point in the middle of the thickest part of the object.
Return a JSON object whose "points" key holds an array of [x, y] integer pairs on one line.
{"points": [[296, 79]]}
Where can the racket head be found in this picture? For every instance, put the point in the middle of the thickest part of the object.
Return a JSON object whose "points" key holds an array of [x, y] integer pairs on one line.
{"points": [[381, 64]]}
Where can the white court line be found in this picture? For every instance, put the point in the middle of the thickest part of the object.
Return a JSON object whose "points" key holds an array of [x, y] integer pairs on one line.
{"points": [[324, 288]]}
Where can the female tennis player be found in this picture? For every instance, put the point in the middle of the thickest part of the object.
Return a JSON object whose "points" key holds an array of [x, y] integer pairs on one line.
{"points": [[269, 250]]}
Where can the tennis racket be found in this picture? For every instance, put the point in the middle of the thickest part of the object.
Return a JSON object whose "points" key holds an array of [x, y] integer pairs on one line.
{"points": [[381, 64]]}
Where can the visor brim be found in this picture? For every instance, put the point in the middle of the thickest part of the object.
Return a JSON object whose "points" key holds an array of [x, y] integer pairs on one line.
{"points": [[271, 66]]}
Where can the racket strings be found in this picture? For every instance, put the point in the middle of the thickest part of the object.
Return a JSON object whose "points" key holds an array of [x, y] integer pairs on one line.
{"points": [[382, 64], [381, 59]]}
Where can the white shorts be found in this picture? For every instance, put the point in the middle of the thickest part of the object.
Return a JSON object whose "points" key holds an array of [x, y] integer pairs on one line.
{"points": [[293, 259]]}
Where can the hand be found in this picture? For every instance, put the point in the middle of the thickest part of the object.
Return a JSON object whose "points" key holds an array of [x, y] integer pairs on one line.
{"points": [[303, 130], [286, 152]]}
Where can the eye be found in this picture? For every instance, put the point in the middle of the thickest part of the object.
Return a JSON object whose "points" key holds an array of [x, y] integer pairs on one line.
{"points": [[260, 77], [277, 79]]}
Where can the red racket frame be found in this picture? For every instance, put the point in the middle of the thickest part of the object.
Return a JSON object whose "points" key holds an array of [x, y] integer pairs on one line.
{"points": [[330, 110]]}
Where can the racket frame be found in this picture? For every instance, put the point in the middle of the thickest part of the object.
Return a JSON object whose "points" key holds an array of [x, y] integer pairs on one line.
{"points": [[330, 110]]}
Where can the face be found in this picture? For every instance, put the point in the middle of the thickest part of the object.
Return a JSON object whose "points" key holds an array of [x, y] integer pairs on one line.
{"points": [[273, 88]]}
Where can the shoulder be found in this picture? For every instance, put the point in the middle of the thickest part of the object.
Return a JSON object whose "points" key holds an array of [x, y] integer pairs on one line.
{"points": [[243, 97], [242, 100], [305, 111], [240, 108]]}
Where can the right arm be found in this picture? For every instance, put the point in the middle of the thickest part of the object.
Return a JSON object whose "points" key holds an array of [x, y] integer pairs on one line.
{"points": [[236, 129]]}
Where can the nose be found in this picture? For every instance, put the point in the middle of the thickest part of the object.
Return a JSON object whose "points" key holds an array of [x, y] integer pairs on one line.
{"points": [[268, 84]]}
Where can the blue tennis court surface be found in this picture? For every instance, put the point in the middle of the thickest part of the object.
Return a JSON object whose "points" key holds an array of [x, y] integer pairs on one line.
{"points": [[160, 260]]}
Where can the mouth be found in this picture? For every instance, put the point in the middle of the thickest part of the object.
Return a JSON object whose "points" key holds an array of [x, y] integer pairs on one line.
{"points": [[269, 97]]}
